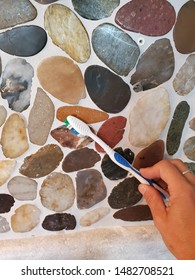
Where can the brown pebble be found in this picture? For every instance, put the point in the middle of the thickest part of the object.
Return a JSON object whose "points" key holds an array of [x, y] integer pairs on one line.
{"points": [[6, 202], [59, 221], [134, 213]]}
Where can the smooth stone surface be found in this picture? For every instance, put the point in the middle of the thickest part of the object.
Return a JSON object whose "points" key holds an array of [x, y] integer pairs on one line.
{"points": [[3, 115], [22, 188], [111, 170], [155, 66], [176, 127], [148, 17], [183, 33], [29, 39], [120, 52], [184, 81], [43, 162], [134, 214], [67, 32], [65, 82], [150, 155], [147, 121], [6, 202], [40, 118], [59, 221], [192, 123], [4, 225], [90, 188], [6, 168], [16, 84], [16, 12], [125, 194], [94, 216], [111, 132], [96, 9], [86, 114], [80, 159], [107, 90], [57, 192], [189, 149]]}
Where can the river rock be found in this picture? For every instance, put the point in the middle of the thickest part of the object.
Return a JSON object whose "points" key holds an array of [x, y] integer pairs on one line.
{"points": [[6, 168], [120, 52], [176, 127], [86, 114], [64, 81], [107, 90], [3, 115], [16, 12], [191, 166], [80, 159], [4, 225], [134, 213], [188, 148], [29, 39], [16, 84], [22, 188], [96, 9], [90, 188], [94, 216], [183, 33], [155, 66], [59, 221], [146, 121], [40, 118], [148, 17], [67, 32], [14, 138], [6, 202], [184, 81], [192, 124], [43, 162]]}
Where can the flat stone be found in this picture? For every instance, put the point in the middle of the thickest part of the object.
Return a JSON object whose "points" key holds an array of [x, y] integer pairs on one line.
{"points": [[41, 118], [183, 33], [22, 188], [46, 1], [184, 81], [192, 124], [90, 188], [16, 84], [120, 52], [80, 159], [96, 9], [3, 115], [189, 149], [6, 202], [86, 114], [4, 225], [155, 66], [148, 17], [43, 162], [94, 216], [191, 166], [64, 81], [134, 213], [29, 39], [6, 168], [16, 12], [150, 155], [176, 127], [111, 132], [146, 121], [67, 32], [107, 90], [59, 221], [125, 194]]}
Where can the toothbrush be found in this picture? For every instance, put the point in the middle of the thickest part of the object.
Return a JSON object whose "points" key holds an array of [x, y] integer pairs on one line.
{"points": [[79, 127]]}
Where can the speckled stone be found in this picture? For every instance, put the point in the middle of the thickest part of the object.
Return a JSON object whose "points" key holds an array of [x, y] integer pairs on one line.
{"points": [[189, 148], [120, 52], [134, 213], [107, 90], [191, 166], [148, 17], [155, 66], [6, 202], [184, 81], [16, 12], [4, 225], [183, 33], [176, 127], [59, 221], [96, 9], [29, 39], [125, 194]]}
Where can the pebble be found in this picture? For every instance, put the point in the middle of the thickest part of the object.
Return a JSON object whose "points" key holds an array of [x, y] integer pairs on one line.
{"points": [[41, 118], [67, 32], [6, 202], [107, 90], [90, 188], [94, 216], [57, 192], [120, 52], [6, 168], [22, 188], [4, 225], [188, 148], [192, 123], [155, 66], [191, 166], [3, 115], [65, 82], [146, 121], [134, 213], [59, 221]]}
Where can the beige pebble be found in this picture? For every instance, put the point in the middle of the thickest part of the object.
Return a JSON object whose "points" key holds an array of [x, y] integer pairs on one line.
{"points": [[6, 168], [94, 216], [3, 115]]}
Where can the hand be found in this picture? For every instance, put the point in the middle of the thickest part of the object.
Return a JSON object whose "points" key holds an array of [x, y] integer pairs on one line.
{"points": [[176, 220]]}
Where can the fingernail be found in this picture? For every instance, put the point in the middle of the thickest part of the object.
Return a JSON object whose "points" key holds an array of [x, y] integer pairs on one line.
{"points": [[142, 188]]}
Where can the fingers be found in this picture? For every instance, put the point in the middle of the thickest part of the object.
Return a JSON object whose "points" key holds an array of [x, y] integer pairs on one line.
{"points": [[182, 168]]}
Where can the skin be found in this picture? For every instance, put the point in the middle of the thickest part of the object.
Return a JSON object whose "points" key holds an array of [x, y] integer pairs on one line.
{"points": [[176, 220]]}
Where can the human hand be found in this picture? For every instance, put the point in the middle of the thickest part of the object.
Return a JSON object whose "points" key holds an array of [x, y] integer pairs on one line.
{"points": [[176, 220]]}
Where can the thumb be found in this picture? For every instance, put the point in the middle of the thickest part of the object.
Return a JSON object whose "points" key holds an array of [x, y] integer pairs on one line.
{"points": [[155, 202]]}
